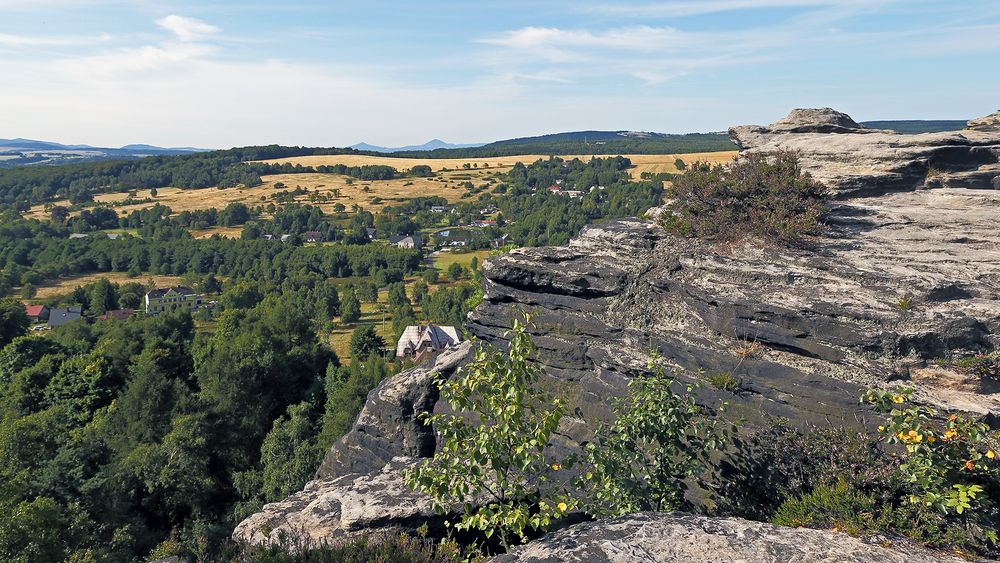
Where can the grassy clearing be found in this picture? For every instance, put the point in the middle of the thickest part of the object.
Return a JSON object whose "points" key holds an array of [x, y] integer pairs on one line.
{"points": [[64, 286], [444, 259]]}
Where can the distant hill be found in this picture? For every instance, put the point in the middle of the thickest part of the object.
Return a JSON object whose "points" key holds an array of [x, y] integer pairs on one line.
{"points": [[433, 144], [22, 152], [587, 142], [914, 126]]}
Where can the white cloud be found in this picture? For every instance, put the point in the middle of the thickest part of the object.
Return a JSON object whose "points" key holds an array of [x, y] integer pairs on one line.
{"points": [[19, 41], [187, 29]]}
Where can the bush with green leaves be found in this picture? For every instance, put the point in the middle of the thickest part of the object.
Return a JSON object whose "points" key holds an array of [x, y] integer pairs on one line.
{"points": [[492, 462], [952, 463], [659, 440], [837, 478], [763, 195]]}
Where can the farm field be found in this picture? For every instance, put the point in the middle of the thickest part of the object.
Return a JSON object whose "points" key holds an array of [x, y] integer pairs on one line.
{"points": [[67, 285], [372, 195], [444, 259]]}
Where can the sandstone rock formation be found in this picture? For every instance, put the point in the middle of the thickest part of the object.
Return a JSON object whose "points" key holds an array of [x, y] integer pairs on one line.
{"points": [[858, 161], [990, 122], [684, 538], [802, 330]]}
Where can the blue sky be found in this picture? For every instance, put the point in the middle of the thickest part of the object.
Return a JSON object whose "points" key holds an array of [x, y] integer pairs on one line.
{"points": [[225, 73]]}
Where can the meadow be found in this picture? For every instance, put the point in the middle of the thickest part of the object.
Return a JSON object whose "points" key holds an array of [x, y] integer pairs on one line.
{"points": [[372, 195]]}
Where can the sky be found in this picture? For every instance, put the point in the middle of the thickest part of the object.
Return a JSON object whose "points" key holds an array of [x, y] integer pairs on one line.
{"points": [[218, 74]]}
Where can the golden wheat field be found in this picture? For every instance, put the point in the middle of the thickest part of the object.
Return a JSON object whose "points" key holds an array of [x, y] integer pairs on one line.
{"points": [[372, 195]]}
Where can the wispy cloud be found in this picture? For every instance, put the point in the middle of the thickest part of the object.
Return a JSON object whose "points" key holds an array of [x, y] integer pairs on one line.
{"points": [[11, 40], [187, 29], [701, 7]]}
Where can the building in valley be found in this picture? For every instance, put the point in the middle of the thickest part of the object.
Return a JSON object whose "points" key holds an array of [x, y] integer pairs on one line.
{"points": [[417, 342], [164, 299]]}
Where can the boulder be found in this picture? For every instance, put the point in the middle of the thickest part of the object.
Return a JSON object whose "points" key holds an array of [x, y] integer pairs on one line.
{"points": [[662, 538], [817, 120]]}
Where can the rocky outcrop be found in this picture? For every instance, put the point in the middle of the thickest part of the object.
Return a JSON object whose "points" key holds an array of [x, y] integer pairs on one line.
{"points": [[663, 538], [327, 510], [990, 123], [899, 280], [864, 162], [389, 425]]}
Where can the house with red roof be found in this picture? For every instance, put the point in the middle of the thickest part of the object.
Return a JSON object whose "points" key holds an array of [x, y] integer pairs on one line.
{"points": [[36, 313]]}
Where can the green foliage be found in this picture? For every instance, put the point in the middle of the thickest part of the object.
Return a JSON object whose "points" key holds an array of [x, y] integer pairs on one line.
{"points": [[13, 321], [837, 478], [952, 464], [350, 308], [764, 195], [346, 391], [365, 341], [492, 464], [724, 380], [395, 548], [978, 365], [289, 457], [455, 271], [658, 441]]}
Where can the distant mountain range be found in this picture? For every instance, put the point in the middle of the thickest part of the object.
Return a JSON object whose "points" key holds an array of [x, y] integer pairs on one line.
{"points": [[433, 144], [20, 152]]}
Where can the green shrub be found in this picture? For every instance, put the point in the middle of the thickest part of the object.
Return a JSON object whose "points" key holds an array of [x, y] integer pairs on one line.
{"points": [[842, 479], [492, 462], [660, 439], [724, 380], [763, 195]]}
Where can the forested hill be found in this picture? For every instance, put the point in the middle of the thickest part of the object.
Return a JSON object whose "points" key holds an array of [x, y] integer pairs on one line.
{"points": [[914, 126], [588, 142]]}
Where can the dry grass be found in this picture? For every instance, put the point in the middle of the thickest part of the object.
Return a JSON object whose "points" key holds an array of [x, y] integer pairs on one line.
{"points": [[64, 286], [444, 259], [351, 191]]}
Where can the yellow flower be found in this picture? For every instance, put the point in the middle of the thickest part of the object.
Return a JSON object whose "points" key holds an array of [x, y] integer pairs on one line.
{"points": [[931, 439], [881, 428], [562, 507], [990, 454], [897, 399], [949, 434], [556, 467]]}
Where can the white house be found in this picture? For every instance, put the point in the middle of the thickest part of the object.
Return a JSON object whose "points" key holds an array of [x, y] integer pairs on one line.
{"points": [[416, 342]]}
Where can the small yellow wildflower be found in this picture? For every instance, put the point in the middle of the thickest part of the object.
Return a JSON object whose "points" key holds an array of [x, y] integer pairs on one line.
{"points": [[556, 467], [562, 507], [931, 439], [949, 434], [897, 399], [990, 454], [881, 428]]}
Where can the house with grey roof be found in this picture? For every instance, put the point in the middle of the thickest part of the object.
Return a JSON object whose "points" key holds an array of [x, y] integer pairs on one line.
{"points": [[417, 342], [60, 316], [164, 299]]}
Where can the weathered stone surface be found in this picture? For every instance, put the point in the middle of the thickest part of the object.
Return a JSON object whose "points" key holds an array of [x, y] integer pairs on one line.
{"points": [[860, 161], [388, 425], [327, 510], [990, 122], [663, 538], [817, 120]]}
